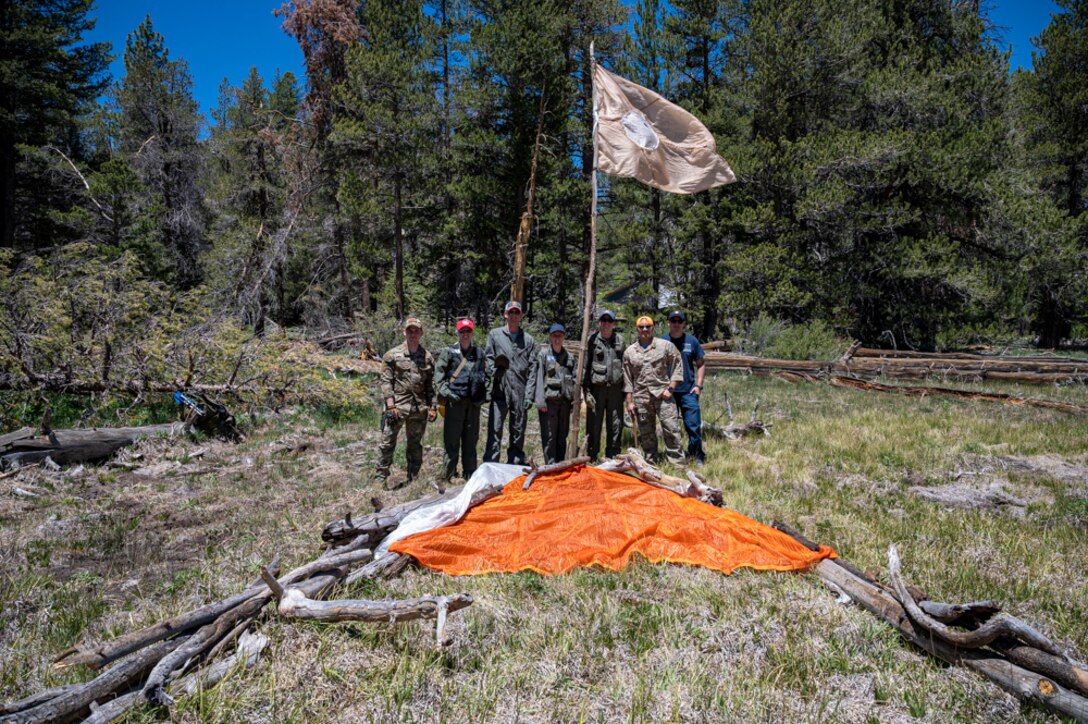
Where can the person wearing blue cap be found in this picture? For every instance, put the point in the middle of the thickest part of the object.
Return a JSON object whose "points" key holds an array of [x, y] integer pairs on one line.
{"points": [[551, 389]]}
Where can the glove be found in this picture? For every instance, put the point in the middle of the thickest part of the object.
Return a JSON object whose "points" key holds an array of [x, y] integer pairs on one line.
{"points": [[591, 404], [394, 413], [432, 414], [528, 404]]}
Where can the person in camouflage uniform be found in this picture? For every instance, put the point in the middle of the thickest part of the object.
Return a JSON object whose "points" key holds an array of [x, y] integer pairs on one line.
{"points": [[458, 378], [651, 370], [551, 388], [408, 390], [602, 385]]}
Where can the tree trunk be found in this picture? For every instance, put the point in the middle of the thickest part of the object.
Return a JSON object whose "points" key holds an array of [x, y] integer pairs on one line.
{"points": [[7, 193], [398, 245]]}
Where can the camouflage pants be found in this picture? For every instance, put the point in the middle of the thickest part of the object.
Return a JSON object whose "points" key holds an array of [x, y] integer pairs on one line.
{"points": [[414, 426], [647, 412]]}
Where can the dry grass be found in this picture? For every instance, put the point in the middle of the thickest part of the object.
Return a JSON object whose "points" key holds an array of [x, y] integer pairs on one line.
{"points": [[104, 550]]}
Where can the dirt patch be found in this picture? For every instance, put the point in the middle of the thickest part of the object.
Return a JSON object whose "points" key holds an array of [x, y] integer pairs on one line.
{"points": [[985, 494], [1050, 466]]}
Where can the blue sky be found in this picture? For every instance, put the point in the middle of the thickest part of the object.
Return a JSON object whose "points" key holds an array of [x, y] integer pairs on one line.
{"points": [[225, 38]]}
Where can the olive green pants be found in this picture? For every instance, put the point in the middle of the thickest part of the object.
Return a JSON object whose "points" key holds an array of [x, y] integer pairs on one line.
{"points": [[460, 433]]}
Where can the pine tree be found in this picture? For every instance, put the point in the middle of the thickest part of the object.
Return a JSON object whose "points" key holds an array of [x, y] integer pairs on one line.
{"points": [[1053, 112], [384, 129], [159, 131], [48, 82]]}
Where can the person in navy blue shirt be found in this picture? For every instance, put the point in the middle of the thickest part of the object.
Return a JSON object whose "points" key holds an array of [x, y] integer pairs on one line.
{"points": [[687, 393]]}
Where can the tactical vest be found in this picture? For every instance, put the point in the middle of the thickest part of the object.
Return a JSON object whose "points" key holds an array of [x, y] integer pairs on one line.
{"points": [[607, 360], [558, 376]]}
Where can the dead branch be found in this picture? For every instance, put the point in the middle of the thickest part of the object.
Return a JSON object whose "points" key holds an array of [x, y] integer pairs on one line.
{"points": [[385, 566], [800, 538], [632, 463], [534, 472], [1058, 668], [1016, 680], [86, 185], [296, 604], [106, 653], [955, 613], [1000, 625], [249, 650], [117, 678]]}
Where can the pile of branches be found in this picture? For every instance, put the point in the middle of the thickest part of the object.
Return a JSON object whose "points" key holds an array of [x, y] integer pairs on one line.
{"points": [[182, 655], [186, 653]]}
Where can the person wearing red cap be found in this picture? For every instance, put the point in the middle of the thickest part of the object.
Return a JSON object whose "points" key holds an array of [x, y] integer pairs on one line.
{"points": [[460, 380]]}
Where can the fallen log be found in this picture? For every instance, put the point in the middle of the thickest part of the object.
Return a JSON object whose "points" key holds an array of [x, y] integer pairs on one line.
{"points": [[913, 391], [294, 603], [377, 524], [74, 446], [1001, 625], [105, 653], [1057, 668], [249, 650], [77, 700], [1020, 682]]}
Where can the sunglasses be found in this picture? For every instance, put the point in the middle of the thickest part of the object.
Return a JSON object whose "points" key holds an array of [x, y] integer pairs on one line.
{"points": [[464, 331], [513, 311], [645, 326]]}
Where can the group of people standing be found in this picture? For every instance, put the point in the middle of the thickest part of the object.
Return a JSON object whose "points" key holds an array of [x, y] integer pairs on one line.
{"points": [[653, 379]]}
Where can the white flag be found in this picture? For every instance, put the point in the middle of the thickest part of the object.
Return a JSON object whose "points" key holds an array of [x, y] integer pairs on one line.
{"points": [[640, 134]]}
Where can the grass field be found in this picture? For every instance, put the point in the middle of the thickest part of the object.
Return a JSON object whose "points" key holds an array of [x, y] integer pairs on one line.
{"points": [[984, 501]]}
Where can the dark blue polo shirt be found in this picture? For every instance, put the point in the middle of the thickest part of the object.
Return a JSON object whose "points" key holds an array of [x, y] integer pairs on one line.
{"points": [[690, 352]]}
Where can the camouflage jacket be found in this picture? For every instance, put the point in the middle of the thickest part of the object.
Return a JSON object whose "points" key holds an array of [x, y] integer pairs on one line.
{"points": [[648, 372], [408, 379]]}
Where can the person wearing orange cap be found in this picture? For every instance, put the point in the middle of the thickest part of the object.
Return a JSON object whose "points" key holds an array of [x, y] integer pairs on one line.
{"points": [[407, 383], [461, 381], [651, 370]]}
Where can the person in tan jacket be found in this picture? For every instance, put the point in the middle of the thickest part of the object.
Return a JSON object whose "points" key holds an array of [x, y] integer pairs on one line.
{"points": [[651, 369]]}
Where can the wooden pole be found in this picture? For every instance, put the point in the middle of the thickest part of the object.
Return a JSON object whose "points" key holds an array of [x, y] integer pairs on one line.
{"points": [[576, 407], [521, 244]]}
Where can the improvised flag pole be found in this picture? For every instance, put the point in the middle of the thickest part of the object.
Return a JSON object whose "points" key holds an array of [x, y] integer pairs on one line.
{"points": [[576, 407]]}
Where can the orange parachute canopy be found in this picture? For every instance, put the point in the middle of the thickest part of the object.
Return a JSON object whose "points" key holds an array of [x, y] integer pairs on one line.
{"points": [[584, 516]]}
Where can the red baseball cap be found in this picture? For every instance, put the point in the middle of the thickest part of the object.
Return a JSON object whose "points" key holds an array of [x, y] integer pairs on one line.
{"points": [[465, 324]]}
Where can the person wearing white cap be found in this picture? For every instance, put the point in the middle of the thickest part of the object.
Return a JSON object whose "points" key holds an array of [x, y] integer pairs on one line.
{"points": [[508, 359]]}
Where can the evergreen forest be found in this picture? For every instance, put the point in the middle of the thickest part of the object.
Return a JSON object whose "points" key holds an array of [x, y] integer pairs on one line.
{"points": [[896, 183]]}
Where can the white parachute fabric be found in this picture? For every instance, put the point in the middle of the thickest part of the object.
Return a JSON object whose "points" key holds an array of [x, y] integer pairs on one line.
{"points": [[487, 476]]}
